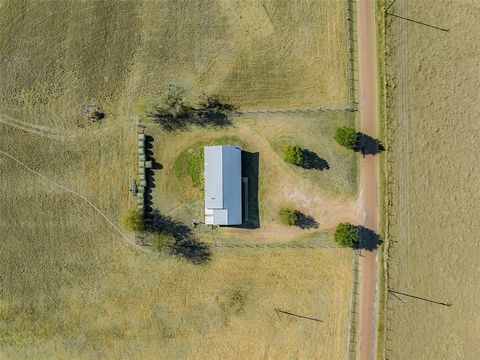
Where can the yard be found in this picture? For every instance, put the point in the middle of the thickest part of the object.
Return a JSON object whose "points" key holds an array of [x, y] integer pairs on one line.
{"points": [[327, 194]]}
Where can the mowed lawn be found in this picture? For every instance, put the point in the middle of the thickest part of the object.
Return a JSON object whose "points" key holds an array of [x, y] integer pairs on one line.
{"points": [[57, 56], [433, 109]]}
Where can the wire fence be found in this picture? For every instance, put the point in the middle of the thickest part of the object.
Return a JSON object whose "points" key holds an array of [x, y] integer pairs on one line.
{"points": [[352, 77], [272, 246], [353, 310], [351, 21]]}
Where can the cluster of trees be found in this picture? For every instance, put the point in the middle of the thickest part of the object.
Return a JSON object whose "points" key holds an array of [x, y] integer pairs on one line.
{"points": [[174, 112], [165, 234]]}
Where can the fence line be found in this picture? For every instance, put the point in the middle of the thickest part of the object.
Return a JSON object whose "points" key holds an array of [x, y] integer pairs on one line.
{"points": [[353, 309], [272, 246], [290, 111], [351, 20], [351, 51], [389, 202]]}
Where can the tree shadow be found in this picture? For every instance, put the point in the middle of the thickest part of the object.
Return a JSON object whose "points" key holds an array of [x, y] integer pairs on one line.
{"points": [[305, 221], [212, 112], [369, 239], [250, 165], [368, 145], [186, 245], [312, 161]]}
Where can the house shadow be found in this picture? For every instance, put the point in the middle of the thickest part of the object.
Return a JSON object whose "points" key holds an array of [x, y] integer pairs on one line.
{"points": [[312, 161], [250, 211], [368, 145], [369, 239], [305, 221], [186, 245]]}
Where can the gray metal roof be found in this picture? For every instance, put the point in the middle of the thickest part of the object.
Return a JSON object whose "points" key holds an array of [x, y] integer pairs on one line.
{"points": [[223, 185]]}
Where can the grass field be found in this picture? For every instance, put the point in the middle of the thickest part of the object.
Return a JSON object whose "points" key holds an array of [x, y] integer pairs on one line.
{"points": [[57, 57], [70, 288], [433, 108]]}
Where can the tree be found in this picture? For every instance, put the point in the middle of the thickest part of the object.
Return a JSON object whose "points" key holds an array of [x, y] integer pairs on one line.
{"points": [[174, 103], [347, 235], [293, 154], [347, 137], [133, 220], [288, 216]]}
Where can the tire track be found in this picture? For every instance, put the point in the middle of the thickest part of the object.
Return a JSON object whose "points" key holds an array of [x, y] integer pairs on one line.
{"points": [[124, 237], [30, 128]]}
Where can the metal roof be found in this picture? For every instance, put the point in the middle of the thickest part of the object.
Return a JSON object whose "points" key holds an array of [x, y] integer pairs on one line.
{"points": [[223, 185]]}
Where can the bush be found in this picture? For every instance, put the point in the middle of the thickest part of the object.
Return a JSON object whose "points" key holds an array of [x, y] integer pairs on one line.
{"points": [[347, 235], [347, 137], [133, 220], [161, 241], [93, 112], [293, 154], [288, 216]]}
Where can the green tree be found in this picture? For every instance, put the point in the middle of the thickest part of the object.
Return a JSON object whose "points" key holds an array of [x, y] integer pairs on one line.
{"points": [[347, 137], [133, 220], [293, 154], [288, 216], [347, 235]]}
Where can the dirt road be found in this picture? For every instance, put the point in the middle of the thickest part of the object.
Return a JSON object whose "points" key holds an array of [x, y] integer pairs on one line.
{"points": [[369, 175]]}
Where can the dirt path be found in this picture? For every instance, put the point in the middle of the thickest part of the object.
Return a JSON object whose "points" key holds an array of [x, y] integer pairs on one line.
{"points": [[369, 176], [30, 128], [129, 240]]}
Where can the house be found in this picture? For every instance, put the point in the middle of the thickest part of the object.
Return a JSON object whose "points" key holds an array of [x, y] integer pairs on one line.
{"points": [[223, 185]]}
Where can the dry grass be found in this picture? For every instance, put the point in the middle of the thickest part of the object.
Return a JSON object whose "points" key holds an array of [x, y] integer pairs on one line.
{"points": [[433, 109], [58, 56], [69, 288]]}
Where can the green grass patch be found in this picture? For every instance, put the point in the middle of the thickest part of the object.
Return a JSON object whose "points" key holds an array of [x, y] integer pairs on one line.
{"points": [[190, 161]]}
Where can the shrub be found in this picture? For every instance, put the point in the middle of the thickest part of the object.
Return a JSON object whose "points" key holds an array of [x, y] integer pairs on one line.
{"points": [[161, 241], [287, 216], [293, 154], [93, 112], [347, 137], [347, 235], [133, 220]]}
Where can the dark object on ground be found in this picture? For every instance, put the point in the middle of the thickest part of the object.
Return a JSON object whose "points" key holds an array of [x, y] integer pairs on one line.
{"points": [[93, 112]]}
